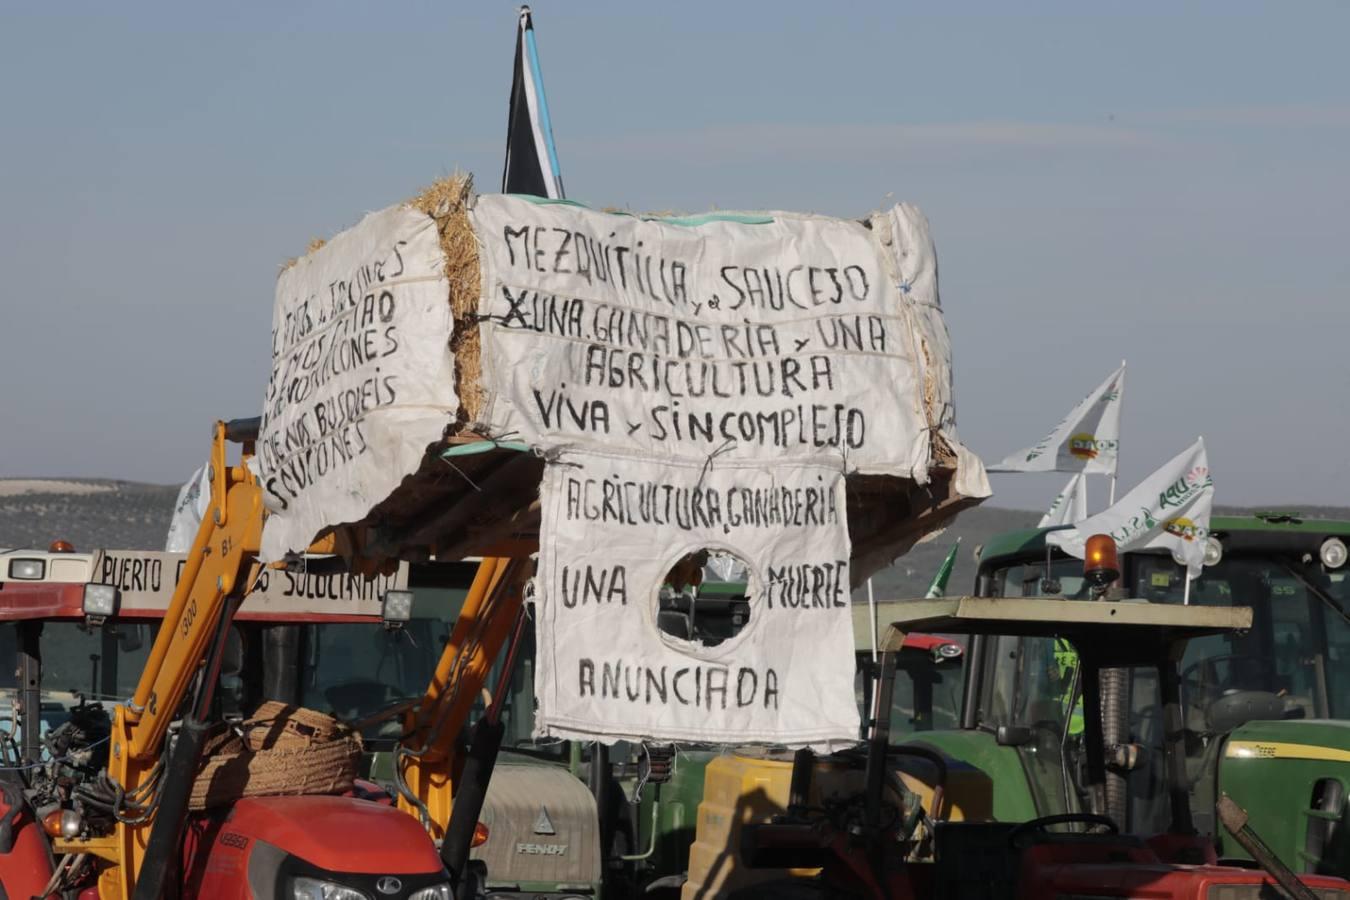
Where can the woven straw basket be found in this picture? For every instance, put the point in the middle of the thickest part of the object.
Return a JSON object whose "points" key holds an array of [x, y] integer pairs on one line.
{"points": [[281, 750]]}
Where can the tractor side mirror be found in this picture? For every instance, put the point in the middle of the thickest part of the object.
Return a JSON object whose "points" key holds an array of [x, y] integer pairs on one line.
{"points": [[1013, 736]]}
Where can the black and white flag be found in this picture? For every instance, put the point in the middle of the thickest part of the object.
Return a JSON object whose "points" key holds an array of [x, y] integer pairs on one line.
{"points": [[531, 159]]}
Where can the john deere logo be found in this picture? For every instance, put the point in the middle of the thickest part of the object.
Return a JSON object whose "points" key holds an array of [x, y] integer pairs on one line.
{"points": [[1183, 528], [1083, 445]]}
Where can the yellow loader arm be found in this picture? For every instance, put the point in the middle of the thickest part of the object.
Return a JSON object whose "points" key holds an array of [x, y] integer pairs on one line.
{"points": [[427, 763], [212, 585]]}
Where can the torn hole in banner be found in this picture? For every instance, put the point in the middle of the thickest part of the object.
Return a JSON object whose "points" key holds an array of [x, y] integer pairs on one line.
{"points": [[685, 602], [705, 599]]}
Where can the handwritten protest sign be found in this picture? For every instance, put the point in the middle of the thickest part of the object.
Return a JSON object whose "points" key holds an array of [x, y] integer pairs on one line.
{"points": [[707, 384], [696, 386], [359, 333]]}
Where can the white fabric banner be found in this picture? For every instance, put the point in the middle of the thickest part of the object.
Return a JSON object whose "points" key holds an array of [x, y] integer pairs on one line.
{"points": [[1070, 504], [146, 580], [784, 340], [362, 376], [616, 526], [188, 511], [703, 384], [1169, 509], [1087, 440]]}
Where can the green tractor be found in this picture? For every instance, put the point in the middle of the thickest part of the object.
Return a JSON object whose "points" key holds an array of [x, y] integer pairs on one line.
{"points": [[1264, 709]]}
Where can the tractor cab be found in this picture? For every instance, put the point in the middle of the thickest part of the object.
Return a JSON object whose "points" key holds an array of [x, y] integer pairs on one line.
{"points": [[886, 840], [77, 631], [358, 650], [1284, 684]]}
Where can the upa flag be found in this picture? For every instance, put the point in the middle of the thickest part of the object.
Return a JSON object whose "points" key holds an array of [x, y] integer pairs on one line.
{"points": [[1088, 440], [531, 160], [1169, 509], [1070, 504]]}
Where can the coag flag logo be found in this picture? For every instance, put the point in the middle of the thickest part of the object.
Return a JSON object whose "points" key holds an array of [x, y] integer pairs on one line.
{"points": [[1083, 445], [1183, 528], [1086, 446]]}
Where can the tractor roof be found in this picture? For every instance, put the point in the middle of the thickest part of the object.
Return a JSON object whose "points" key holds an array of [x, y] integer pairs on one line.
{"points": [[145, 580], [1115, 633]]}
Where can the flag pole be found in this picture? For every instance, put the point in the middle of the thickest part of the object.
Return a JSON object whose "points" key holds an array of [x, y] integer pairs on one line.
{"points": [[1116, 468], [872, 617], [1186, 591]]}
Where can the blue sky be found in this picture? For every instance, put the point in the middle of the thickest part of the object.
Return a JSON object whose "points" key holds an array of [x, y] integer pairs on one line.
{"points": [[1165, 183]]}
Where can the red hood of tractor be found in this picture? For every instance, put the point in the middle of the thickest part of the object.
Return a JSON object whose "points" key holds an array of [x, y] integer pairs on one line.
{"points": [[340, 834]]}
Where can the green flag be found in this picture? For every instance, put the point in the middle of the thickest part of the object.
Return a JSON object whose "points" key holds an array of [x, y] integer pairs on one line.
{"points": [[939, 586]]}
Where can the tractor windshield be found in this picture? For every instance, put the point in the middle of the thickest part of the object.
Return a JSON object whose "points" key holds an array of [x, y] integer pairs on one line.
{"points": [[926, 693], [1298, 649], [356, 669], [101, 663], [1028, 697]]}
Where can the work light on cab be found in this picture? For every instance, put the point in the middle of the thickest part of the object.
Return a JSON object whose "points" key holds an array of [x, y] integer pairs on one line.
{"points": [[27, 569], [1213, 551], [948, 650], [1100, 563], [396, 608], [1333, 553], [100, 602]]}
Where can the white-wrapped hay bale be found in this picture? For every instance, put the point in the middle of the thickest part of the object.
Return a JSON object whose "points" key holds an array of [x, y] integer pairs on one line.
{"points": [[387, 422], [471, 375]]}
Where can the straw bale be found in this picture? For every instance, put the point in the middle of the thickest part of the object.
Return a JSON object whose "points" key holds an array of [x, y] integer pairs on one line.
{"points": [[446, 201]]}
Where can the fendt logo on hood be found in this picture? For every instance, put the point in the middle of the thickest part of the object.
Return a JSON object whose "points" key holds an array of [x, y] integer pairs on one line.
{"points": [[389, 885]]}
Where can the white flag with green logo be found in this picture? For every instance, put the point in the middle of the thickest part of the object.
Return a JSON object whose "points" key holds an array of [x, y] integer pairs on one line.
{"points": [[1088, 440], [1070, 504], [1170, 509]]}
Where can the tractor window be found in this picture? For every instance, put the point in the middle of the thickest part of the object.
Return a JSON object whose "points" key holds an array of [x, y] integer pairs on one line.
{"points": [[1338, 648], [1029, 579], [102, 663], [356, 669], [9, 653], [926, 695], [1029, 684], [1274, 660]]}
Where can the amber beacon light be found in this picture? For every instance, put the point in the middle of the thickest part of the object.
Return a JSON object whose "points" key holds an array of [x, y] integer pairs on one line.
{"points": [[1100, 563]]}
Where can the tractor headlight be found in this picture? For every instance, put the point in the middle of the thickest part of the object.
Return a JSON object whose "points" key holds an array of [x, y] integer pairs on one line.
{"points": [[1213, 551], [314, 889], [435, 892], [1333, 553]]}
